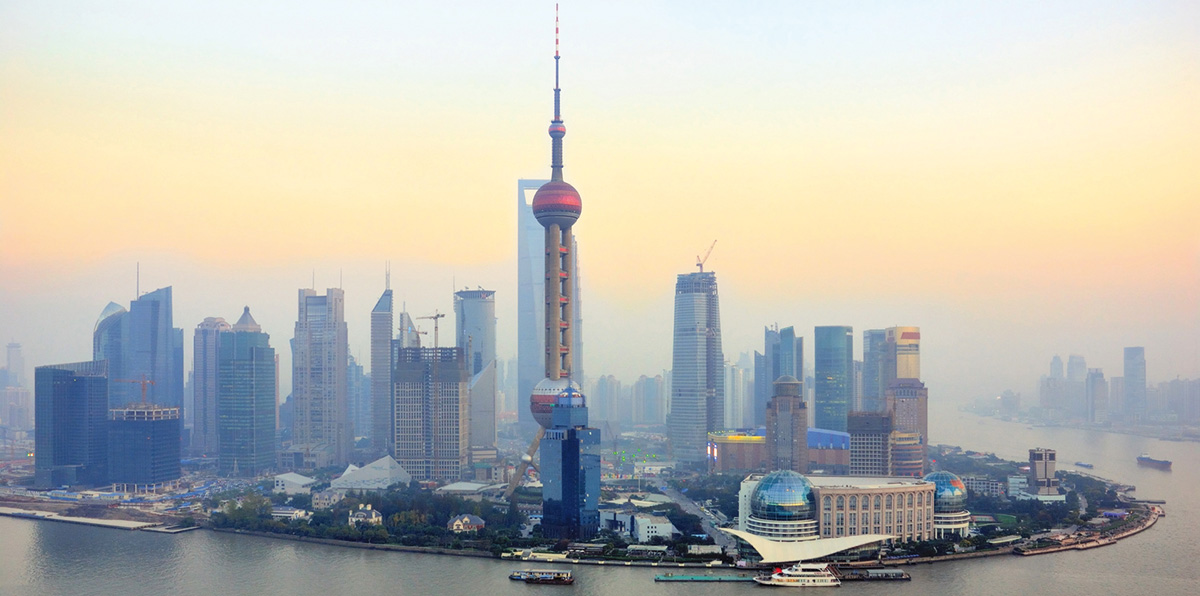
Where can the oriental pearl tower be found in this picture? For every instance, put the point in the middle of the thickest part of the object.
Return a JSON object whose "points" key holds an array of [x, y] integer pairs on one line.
{"points": [[557, 206]]}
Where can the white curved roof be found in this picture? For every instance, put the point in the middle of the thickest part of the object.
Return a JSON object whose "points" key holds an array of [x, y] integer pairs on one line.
{"points": [[790, 552], [376, 475]]}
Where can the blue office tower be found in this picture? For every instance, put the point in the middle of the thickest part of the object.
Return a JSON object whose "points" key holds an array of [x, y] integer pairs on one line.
{"points": [[570, 471], [834, 376], [70, 415]]}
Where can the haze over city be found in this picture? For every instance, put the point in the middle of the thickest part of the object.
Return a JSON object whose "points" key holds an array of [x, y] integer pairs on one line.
{"points": [[1017, 180]]}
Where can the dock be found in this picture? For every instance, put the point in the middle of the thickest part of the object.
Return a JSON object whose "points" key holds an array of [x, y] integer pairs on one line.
{"points": [[86, 521], [670, 577]]}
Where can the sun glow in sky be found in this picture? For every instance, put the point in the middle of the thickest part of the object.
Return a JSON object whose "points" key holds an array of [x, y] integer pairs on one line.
{"points": [[1019, 179]]}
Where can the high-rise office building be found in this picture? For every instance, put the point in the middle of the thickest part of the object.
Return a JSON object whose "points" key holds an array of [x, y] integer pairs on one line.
{"points": [[432, 410], [322, 430], [736, 396], [475, 333], [902, 354], [570, 448], [143, 448], [697, 368], [874, 350], [1135, 384], [907, 453], [787, 427], [1056, 368], [870, 447], [141, 343], [1096, 390], [648, 400], [767, 367], [1041, 471], [246, 400], [908, 404], [1074, 398], [358, 396], [382, 359], [791, 354], [834, 384], [205, 365], [71, 418]]}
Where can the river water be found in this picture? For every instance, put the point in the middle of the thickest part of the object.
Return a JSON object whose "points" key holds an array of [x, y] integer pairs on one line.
{"points": [[47, 558]]}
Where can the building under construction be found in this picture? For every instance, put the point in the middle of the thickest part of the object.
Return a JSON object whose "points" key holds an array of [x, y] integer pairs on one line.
{"points": [[432, 413], [143, 448]]}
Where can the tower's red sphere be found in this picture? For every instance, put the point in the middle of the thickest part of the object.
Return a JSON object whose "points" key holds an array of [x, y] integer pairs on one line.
{"points": [[557, 130], [557, 202]]}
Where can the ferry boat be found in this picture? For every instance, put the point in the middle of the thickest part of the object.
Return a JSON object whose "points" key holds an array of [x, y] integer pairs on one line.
{"points": [[1084, 465], [801, 575], [1161, 464], [543, 576]]}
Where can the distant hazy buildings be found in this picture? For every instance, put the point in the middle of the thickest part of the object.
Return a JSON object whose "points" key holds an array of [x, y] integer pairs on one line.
{"points": [[205, 365], [649, 400], [1096, 395], [698, 367], [245, 408], [71, 417], [787, 427], [432, 410], [766, 370], [141, 343], [834, 384], [322, 434], [1135, 384], [475, 334]]}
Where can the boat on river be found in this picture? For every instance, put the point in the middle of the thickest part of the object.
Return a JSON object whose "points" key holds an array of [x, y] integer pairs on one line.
{"points": [[543, 576], [1149, 462], [801, 575]]}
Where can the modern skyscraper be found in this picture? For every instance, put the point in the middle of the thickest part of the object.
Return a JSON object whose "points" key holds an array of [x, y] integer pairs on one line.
{"points": [[1042, 480], [319, 359], [908, 404], [870, 452], [736, 396], [902, 355], [791, 354], [358, 396], [143, 448], [205, 366], [141, 343], [834, 366], [697, 368], [475, 333], [432, 413], [1056, 368], [648, 407], [874, 350], [382, 400], [70, 415], [787, 427], [766, 370], [246, 400], [1135, 384]]}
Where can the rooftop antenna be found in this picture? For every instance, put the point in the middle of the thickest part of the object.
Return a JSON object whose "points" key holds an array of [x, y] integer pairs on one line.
{"points": [[387, 275]]}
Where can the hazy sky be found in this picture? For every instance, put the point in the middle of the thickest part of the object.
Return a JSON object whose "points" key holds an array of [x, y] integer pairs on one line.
{"points": [[1019, 179]]}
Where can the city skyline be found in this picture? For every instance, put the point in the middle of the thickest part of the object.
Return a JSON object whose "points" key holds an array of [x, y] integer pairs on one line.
{"points": [[1003, 163]]}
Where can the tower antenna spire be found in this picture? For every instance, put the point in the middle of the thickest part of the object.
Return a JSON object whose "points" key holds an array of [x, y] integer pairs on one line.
{"points": [[557, 130]]}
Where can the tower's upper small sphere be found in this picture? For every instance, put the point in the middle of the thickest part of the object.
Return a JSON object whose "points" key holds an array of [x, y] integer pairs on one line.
{"points": [[557, 202], [783, 496], [949, 492], [557, 130]]}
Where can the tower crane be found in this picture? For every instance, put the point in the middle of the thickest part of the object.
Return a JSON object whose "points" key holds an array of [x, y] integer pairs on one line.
{"points": [[143, 382], [435, 316], [701, 260]]}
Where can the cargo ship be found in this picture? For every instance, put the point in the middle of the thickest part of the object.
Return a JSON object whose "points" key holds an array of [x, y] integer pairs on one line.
{"points": [[543, 576], [1084, 465], [1160, 464]]}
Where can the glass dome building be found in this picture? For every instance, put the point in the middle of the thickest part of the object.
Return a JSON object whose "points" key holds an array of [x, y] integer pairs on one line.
{"points": [[782, 507], [950, 515]]}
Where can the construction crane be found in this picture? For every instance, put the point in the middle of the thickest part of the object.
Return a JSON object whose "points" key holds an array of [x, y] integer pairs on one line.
{"points": [[526, 461], [143, 382], [435, 316], [701, 260]]}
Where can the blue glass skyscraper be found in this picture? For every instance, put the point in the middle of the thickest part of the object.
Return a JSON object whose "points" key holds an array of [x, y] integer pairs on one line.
{"points": [[70, 415], [246, 400], [141, 342], [570, 471], [834, 376]]}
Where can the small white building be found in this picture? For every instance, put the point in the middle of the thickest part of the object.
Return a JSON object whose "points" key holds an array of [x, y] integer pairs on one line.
{"points": [[646, 527], [465, 523], [289, 513], [293, 484], [366, 514]]}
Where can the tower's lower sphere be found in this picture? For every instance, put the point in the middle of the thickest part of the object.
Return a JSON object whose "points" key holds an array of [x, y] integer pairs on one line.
{"points": [[545, 395]]}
